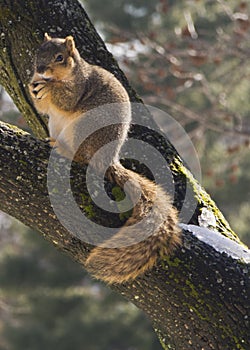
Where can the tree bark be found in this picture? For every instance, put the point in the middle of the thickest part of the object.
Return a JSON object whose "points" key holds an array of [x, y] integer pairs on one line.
{"points": [[197, 299]]}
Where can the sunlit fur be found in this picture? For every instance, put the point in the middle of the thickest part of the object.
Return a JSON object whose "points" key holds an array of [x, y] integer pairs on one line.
{"points": [[66, 91], [121, 264]]}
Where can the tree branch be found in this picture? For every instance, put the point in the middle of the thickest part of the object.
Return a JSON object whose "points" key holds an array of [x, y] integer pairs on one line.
{"points": [[196, 299], [188, 311]]}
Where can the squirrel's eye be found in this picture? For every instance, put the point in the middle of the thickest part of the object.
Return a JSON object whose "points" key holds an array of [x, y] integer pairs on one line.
{"points": [[59, 58]]}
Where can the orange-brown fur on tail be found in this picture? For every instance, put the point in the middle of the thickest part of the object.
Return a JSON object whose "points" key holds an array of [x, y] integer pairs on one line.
{"points": [[123, 263], [78, 96]]}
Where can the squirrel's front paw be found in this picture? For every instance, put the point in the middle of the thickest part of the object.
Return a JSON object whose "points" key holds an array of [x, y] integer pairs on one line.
{"points": [[50, 141], [38, 89]]}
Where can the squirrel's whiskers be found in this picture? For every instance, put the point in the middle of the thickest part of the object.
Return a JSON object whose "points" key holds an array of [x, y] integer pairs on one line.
{"points": [[67, 88]]}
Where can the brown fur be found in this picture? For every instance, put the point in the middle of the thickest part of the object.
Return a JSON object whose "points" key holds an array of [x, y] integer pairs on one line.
{"points": [[67, 88], [121, 264]]}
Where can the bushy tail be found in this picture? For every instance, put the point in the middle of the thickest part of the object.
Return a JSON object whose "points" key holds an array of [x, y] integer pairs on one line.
{"points": [[150, 232]]}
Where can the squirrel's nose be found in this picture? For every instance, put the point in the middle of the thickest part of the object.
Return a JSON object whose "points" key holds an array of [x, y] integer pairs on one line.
{"points": [[41, 69]]}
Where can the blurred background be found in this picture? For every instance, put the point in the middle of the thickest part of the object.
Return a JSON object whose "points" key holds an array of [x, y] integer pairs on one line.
{"points": [[191, 60]]}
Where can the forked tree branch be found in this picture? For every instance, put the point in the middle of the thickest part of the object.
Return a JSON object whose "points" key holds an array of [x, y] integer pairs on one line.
{"points": [[195, 299]]}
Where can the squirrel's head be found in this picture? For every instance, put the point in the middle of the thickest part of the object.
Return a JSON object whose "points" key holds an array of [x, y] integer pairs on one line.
{"points": [[56, 58]]}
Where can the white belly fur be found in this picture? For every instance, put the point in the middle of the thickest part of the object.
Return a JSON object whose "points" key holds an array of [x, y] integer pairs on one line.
{"points": [[56, 124]]}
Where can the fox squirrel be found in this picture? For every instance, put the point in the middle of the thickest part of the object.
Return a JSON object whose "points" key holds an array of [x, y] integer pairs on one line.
{"points": [[66, 88]]}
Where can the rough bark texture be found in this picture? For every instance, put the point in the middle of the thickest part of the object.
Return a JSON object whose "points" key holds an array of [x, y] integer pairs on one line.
{"points": [[197, 299]]}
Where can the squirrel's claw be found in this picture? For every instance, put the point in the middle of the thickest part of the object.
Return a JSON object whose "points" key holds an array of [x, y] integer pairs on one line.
{"points": [[36, 89], [51, 142]]}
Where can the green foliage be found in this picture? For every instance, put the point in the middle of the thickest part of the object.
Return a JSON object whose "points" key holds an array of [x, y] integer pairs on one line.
{"points": [[191, 59], [50, 302], [122, 13]]}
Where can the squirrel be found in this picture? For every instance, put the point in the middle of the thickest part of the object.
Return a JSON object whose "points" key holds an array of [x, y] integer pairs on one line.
{"points": [[66, 88]]}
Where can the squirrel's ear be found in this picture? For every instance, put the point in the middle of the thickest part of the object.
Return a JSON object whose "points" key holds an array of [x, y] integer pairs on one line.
{"points": [[47, 37], [70, 44]]}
